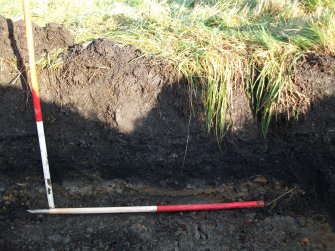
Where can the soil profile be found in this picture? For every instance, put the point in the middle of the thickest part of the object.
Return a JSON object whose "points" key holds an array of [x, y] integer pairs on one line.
{"points": [[117, 125]]}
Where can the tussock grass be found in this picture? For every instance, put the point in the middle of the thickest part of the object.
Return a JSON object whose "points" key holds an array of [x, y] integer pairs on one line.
{"points": [[51, 61], [218, 45]]}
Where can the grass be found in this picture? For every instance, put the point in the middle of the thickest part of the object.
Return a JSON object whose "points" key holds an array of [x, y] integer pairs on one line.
{"points": [[51, 61], [218, 45]]}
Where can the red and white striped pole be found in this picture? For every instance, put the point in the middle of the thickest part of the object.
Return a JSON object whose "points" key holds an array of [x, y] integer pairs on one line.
{"points": [[37, 103], [150, 209]]}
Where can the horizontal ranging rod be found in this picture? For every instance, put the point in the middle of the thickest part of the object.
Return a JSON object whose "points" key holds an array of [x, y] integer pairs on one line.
{"points": [[150, 209], [45, 163]]}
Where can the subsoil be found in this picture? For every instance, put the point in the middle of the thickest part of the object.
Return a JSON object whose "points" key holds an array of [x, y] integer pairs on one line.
{"points": [[120, 131]]}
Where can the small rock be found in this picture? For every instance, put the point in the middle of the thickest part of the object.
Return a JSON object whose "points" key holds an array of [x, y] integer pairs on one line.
{"points": [[118, 116], [194, 231], [327, 139], [305, 242], [66, 240], [276, 185], [196, 235], [231, 229], [140, 230], [55, 238], [261, 180], [90, 230], [203, 231], [189, 186], [225, 248], [249, 219]]}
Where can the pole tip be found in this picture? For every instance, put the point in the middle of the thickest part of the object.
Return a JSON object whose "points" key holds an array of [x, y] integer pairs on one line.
{"points": [[260, 203], [38, 211]]}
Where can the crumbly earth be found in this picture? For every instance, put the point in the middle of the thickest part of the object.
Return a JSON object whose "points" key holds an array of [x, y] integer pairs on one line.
{"points": [[13, 41], [118, 126]]}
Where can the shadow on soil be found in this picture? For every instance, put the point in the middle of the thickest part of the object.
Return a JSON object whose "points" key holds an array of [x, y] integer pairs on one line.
{"points": [[302, 153]]}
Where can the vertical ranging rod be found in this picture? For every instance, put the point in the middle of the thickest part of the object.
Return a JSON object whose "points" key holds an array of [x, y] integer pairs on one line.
{"points": [[37, 103]]}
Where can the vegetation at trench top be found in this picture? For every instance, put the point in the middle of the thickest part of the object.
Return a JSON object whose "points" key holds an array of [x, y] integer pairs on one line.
{"points": [[218, 45]]}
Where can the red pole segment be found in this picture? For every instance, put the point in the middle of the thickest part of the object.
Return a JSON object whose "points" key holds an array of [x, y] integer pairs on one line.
{"points": [[37, 106], [149, 209], [212, 206]]}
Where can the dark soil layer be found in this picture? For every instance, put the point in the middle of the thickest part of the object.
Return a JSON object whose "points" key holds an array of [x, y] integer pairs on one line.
{"points": [[117, 125]]}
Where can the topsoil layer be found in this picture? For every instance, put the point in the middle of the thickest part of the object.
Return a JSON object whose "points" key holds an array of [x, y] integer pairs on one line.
{"points": [[119, 132]]}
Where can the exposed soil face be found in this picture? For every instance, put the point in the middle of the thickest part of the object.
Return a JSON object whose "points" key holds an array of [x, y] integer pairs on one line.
{"points": [[13, 41], [116, 126]]}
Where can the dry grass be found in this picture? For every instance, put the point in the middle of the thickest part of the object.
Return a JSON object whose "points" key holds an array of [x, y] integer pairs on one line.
{"points": [[218, 45]]}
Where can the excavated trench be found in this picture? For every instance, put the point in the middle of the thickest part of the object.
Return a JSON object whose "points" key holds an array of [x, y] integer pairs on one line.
{"points": [[117, 125]]}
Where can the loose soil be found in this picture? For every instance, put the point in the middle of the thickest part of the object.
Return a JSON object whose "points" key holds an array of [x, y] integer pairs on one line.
{"points": [[117, 125]]}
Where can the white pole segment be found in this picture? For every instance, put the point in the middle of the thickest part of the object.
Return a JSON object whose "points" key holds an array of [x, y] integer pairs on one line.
{"points": [[96, 210], [45, 163]]}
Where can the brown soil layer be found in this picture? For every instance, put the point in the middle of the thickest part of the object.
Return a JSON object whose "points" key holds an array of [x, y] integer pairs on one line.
{"points": [[117, 124], [13, 41]]}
